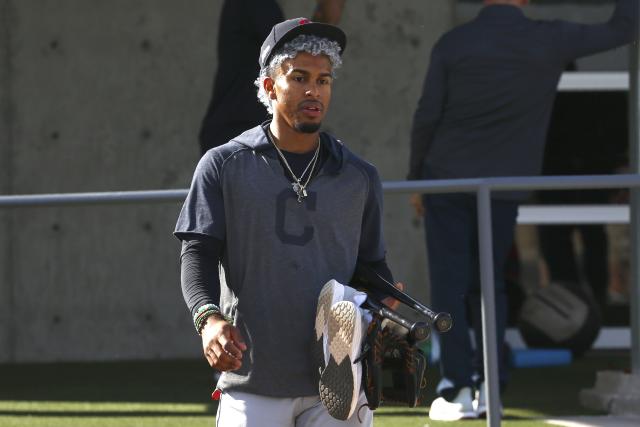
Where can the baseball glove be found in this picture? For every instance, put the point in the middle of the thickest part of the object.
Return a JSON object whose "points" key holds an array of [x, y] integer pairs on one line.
{"points": [[393, 369]]}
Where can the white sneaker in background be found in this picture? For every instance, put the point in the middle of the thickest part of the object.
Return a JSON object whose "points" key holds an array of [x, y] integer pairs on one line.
{"points": [[461, 407], [480, 402]]}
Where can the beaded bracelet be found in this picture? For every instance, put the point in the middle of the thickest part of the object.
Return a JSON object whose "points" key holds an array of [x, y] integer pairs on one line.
{"points": [[203, 313]]}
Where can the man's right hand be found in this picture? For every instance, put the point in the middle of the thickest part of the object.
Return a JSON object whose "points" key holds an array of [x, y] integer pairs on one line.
{"points": [[222, 344]]}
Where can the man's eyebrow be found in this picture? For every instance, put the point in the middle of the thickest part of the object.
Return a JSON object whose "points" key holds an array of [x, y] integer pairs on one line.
{"points": [[300, 71], [306, 73]]}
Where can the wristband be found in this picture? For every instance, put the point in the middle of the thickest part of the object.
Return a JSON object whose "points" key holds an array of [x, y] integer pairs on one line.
{"points": [[203, 313]]}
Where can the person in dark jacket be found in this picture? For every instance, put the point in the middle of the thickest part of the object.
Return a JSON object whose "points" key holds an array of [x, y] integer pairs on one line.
{"points": [[484, 112], [244, 24]]}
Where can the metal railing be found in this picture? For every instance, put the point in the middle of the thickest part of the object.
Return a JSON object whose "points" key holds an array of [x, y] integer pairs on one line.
{"points": [[482, 187]]}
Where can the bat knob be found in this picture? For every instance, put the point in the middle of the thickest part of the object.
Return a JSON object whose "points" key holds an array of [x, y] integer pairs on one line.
{"points": [[420, 331], [443, 322]]}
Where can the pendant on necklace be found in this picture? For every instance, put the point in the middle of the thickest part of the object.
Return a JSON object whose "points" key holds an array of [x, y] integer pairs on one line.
{"points": [[299, 190]]}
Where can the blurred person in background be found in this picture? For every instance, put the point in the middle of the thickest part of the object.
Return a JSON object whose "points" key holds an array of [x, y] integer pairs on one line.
{"points": [[484, 112], [588, 135]]}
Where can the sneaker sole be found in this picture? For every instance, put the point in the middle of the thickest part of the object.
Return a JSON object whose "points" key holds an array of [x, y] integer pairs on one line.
{"points": [[340, 381], [330, 294]]}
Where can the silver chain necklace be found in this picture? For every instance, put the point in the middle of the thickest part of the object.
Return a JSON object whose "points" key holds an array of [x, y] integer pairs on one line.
{"points": [[298, 187]]}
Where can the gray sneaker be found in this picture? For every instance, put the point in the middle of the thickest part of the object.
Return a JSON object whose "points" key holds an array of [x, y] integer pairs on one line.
{"points": [[331, 293], [340, 381]]}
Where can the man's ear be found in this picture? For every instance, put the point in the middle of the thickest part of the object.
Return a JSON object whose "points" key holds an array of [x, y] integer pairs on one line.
{"points": [[269, 86]]}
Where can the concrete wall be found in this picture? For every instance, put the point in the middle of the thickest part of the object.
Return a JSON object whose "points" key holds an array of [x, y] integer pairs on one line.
{"points": [[98, 96], [107, 96], [5, 176]]}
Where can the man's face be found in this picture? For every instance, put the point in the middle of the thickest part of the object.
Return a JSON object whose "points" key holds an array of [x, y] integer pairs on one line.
{"points": [[301, 91]]}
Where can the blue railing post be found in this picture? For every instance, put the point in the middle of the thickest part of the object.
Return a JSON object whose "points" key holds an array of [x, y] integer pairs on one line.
{"points": [[485, 247]]}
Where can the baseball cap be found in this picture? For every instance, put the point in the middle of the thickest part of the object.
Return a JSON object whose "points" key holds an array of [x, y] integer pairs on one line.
{"points": [[288, 30]]}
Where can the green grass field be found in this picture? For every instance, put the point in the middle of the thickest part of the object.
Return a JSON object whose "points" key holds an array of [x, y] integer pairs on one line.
{"points": [[176, 393]]}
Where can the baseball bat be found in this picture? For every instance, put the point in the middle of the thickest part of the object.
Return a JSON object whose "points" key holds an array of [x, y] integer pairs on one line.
{"points": [[418, 331], [368, 278]]}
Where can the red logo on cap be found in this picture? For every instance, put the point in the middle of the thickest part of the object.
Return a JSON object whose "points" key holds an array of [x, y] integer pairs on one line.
{"points": [[303, 21]]}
